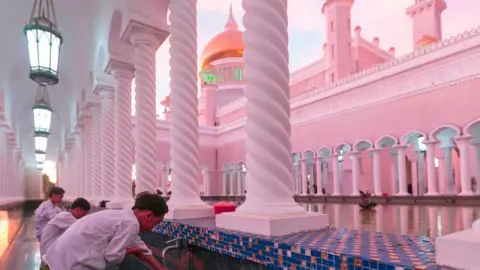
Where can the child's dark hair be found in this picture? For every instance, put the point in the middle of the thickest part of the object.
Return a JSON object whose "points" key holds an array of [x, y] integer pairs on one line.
{"points": [[151, 202], [82, 203], [56, 191]]}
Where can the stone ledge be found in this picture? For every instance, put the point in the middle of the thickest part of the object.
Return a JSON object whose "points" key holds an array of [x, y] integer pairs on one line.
{"points": [[459, 249]]}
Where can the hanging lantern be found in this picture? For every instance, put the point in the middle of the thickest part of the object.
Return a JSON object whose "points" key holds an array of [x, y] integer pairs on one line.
{"points": [[44, 42], [40, 166], [41, 140], [40, 157], [42, 112]]}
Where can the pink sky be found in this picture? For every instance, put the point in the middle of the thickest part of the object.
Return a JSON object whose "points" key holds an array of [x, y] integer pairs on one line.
{"points": [[385, 19]]}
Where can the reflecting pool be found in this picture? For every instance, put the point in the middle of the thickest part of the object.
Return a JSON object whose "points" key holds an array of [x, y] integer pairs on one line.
{"points": [[418, 220]]}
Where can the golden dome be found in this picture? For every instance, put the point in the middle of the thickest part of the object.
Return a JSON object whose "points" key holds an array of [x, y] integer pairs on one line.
{"points": [[228, 43]]}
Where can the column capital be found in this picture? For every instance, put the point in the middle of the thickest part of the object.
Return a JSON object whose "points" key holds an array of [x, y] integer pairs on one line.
{"points": [[354, 153], [137, 32], [119, 68], [104, 91], [463, 139], [401, 146], [375, 150], [430, 142]]}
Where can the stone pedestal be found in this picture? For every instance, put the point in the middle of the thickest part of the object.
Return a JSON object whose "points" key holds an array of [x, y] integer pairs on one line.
{"points": [[459, 250]]}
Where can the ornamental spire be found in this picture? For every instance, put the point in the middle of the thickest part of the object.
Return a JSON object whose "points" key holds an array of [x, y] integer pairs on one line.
{"points": [[231, 22]]}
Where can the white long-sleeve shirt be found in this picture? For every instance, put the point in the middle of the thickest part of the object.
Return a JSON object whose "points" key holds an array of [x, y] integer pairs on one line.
{"points": [[54, 228], [43, 214], [94, 240]]}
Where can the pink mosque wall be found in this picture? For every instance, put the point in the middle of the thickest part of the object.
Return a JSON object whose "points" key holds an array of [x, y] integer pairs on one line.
{"points": [[423, 112]]}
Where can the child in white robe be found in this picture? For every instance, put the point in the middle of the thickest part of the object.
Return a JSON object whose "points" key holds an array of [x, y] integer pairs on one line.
{"points": [[107, 236], [48, 209], [61, 222]]}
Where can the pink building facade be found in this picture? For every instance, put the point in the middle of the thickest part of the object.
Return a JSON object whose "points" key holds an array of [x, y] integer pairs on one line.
{"points": [[362, 118]]}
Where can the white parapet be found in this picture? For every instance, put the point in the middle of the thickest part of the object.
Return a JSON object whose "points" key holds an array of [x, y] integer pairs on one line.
{"points": [[459, 250], [272, 225]]}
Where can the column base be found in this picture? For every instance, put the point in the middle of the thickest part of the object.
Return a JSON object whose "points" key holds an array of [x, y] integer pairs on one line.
{"points": [[336, 194], [191, 211], [466, 193], [355, 194], [272, 225], [431, 194], [402, 194]]}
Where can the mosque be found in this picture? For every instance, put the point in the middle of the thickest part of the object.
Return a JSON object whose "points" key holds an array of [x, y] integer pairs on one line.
{"points": [[404, 128], [362, 117]]}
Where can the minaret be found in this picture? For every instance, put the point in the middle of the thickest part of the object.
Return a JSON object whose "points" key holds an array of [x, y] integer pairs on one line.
{"points": [[427, 21], [339, 39], [231, 23]]}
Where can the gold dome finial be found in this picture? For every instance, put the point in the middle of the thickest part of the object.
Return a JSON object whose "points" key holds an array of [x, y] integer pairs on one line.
{"points": [[231, 23]]}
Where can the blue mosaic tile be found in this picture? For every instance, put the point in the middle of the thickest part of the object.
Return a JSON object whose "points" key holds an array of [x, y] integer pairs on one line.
{"points": [[327, 249]]}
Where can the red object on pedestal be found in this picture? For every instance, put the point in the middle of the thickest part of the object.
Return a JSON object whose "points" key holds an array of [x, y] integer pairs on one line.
{"points": [[224, 207]]}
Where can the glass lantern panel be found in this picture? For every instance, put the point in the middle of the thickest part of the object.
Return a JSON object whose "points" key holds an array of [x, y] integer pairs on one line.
{"points": [[40, 157], [32, 47], [42, 119], [55, 50], [41, 144], [40, 166]]}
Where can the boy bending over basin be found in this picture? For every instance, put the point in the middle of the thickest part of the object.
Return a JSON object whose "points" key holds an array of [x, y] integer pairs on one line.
{"points": [[61, 222], [106, 236], [48, 209]]}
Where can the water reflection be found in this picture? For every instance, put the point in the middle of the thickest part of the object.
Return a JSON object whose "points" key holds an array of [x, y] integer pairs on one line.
{"points": [[415, 220]]}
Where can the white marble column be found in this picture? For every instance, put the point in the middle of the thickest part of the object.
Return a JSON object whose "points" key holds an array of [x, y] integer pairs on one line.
{"points": [[431, 177], [336, 180], [298, 179], [240, 189], [145, 45], [324, 175], [477, 163], [225, 181], [107, 132], [355, 172], [164, 180], [82, 188], [268, 128], [449, 181], [463, 143], [319, 176], [402, 171], [123, 74], [206, 183], [185, 201], [232, 179], [89, 177], [97, 152], [442, 187], [415, 178], [304, 176]]}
